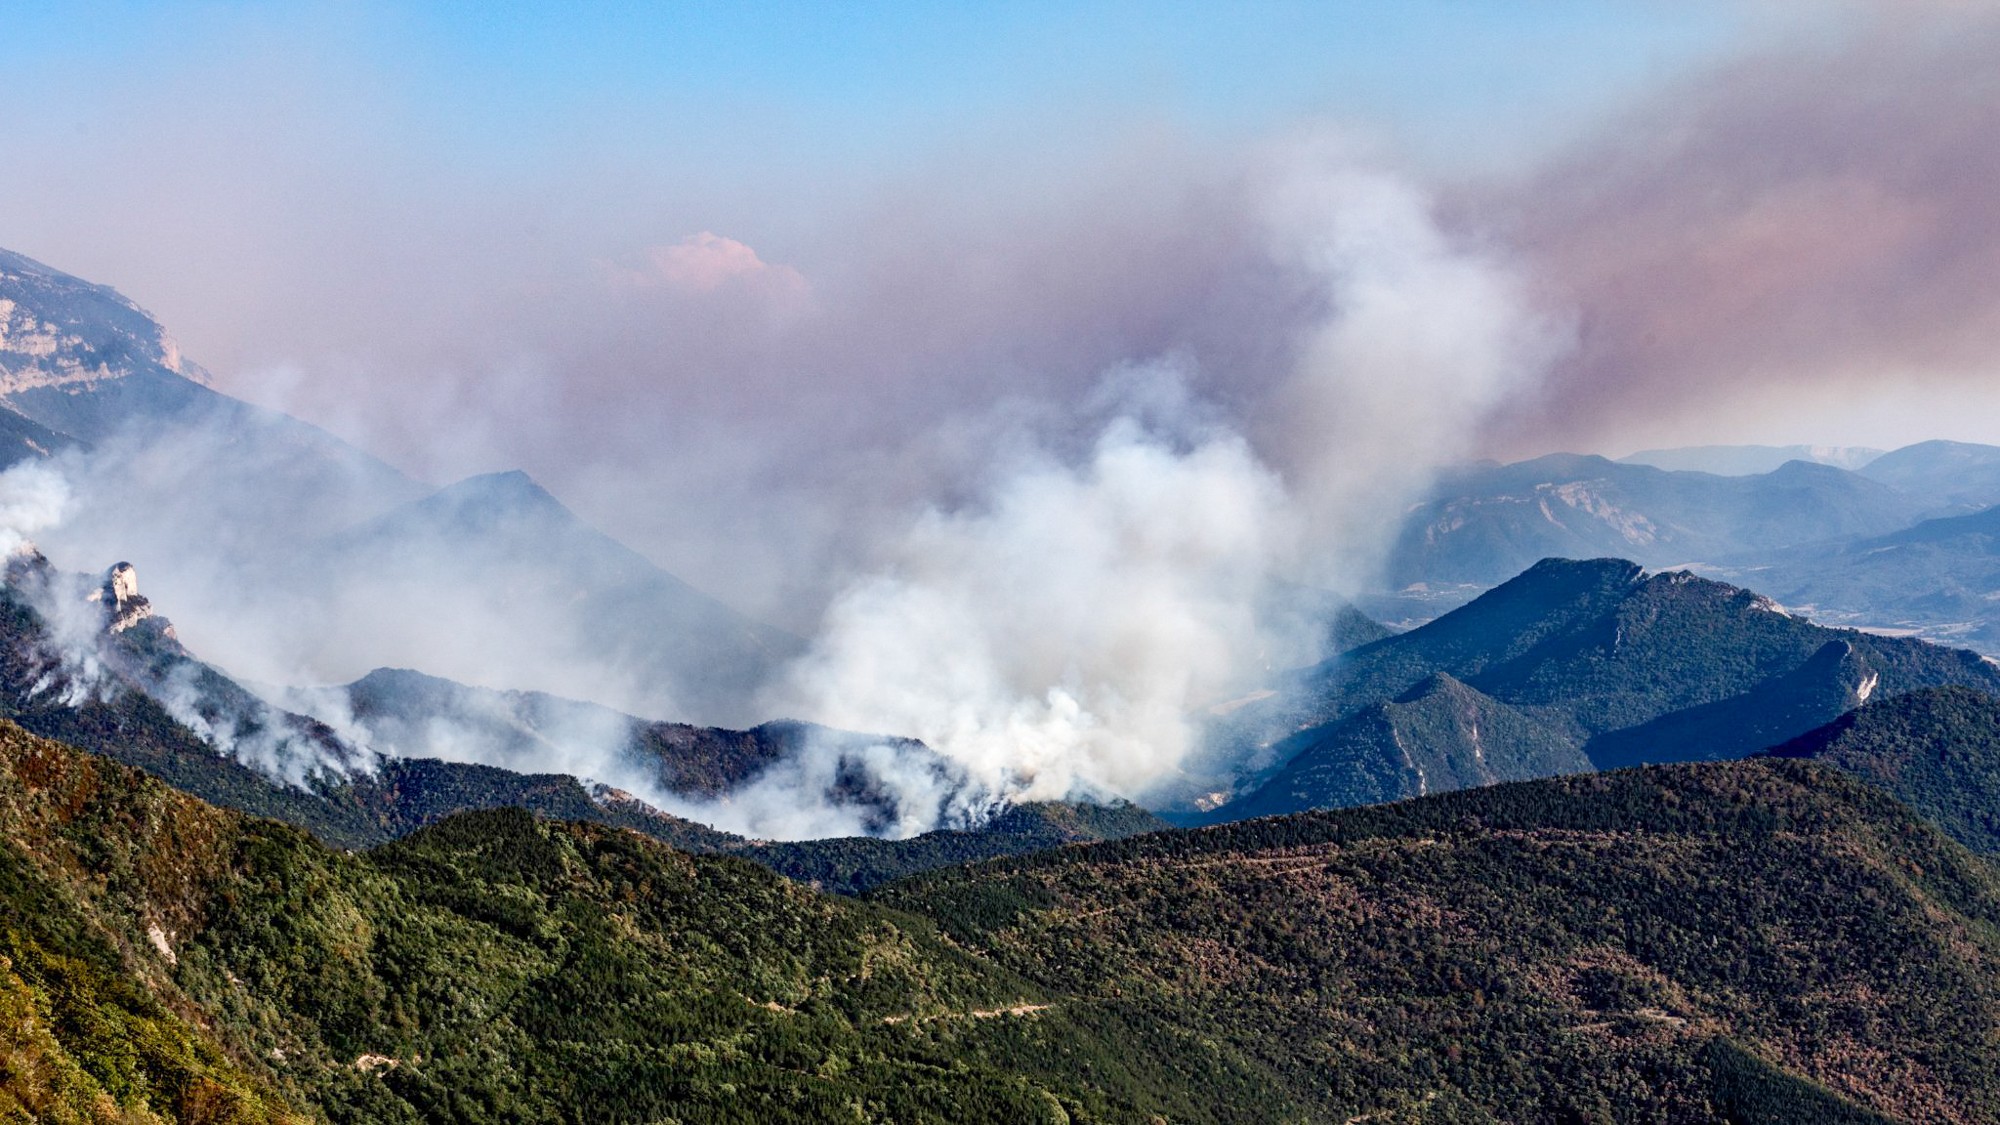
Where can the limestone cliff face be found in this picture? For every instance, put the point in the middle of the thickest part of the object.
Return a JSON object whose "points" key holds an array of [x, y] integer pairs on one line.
{"points": [[57, 331], [121, 583], [124, 606]]}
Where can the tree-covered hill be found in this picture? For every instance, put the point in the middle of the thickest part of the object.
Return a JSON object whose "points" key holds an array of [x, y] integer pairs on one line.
{"points": [[1733, 941], [1437, 736], [1625, 667], [164, 959], [1751, 942], [1937, 750], [1830, 681]]}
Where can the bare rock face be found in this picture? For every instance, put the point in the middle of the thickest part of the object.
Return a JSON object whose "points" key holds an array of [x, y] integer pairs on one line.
{"points": [[57, 331], [124, 606], [121, 583]]}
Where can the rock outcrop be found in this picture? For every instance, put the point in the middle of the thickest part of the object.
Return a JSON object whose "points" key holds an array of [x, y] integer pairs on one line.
{"points": [[124, 605]]}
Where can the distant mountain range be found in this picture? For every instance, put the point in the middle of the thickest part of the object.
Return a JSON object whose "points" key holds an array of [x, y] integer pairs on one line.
{"points": [[1939, 579], [1750, 460], [1483, 525], [1950, 474], [1876, 545]]}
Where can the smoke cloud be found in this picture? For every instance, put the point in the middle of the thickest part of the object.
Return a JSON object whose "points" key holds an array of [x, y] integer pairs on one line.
{"points": [[1423, 336], [79, 657], [1082, 576], [1053, 638], [33, 497], [1798, 246], [1059, 636]]}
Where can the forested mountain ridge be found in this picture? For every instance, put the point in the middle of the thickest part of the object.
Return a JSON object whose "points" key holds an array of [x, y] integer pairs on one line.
{"points": [[1937, 750], [1709, 942], [1760, 941], [1571, 659], [186, 963]]}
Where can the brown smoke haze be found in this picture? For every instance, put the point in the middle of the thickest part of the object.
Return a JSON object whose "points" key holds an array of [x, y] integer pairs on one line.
{"points": [[1803, 245]]}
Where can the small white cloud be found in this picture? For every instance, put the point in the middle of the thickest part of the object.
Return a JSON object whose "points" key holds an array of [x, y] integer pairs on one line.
{"points": [[707, 262]]}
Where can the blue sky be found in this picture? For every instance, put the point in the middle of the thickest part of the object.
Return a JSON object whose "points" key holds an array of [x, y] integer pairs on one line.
{"points": [[1448, 78]]}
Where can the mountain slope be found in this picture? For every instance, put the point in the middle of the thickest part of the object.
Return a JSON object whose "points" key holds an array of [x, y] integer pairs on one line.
{"points": [[1438, 736], [493, 575], [1937, 750], [1762, 941], [1642, 668], [491, 968], [1831, 681], [93, 862], [1725, 941], [68, 347], [1611, 646]]}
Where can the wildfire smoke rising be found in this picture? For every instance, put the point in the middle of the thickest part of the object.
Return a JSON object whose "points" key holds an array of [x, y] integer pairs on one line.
{"points": [[1059, 634]]}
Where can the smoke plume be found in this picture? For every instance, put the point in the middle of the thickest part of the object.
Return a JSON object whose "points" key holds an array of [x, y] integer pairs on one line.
{"points": [[1058, 635], [1082, 578]]}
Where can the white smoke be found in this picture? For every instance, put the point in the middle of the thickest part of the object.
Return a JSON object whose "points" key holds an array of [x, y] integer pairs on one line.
{"points": [[833, 787], [33, 498], [273, 740], [1424, 337], [77, 657], [1057, 637], [1054, 638]]}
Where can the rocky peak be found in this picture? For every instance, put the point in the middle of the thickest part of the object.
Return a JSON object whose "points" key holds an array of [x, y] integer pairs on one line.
{"points": [[124, 606], [121, 584]]}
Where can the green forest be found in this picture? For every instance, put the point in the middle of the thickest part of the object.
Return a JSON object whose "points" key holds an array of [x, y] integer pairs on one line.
{"points": [[1756, 941]]}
